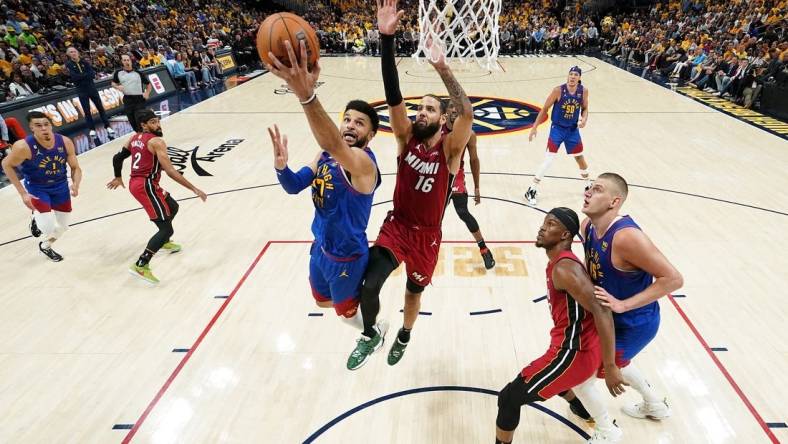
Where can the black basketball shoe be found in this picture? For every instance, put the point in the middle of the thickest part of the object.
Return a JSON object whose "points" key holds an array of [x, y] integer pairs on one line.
{"points": [[50, 253], [489, 261]]}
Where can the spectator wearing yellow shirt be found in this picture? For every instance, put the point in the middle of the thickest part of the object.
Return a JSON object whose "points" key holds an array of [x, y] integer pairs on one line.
{"points": [[150, 59], [25, 57]]}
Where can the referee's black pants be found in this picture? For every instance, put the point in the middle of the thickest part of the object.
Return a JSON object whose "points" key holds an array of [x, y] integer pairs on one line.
{"points": [[132, 104]]}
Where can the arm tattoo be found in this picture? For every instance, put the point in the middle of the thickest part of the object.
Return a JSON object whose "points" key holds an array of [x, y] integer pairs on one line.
{"points": [[456, 93]]}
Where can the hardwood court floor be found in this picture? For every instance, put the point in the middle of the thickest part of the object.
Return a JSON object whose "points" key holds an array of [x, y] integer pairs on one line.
{"points": [[84, 346]]}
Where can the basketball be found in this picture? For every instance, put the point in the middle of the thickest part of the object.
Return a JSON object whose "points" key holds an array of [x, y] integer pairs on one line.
{"points": [[280, 27]]}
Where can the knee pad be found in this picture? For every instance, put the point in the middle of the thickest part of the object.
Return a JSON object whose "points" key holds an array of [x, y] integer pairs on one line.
{"points": [[379, 267], [508, 410], [413, 287], [469, 220]]}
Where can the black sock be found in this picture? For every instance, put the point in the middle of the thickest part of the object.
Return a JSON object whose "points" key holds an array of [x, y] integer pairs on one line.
{"points": [[581, 410], [404, 335], [481, 244], [145, 257]]}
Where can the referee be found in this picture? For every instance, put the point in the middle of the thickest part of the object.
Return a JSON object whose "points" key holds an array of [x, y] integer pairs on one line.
{"points": [[130, 82]]}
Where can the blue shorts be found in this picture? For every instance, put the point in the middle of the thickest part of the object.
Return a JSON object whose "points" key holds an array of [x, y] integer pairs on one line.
{"points": [[570, 137], [337, 280], [631, 340], [50, 197]]}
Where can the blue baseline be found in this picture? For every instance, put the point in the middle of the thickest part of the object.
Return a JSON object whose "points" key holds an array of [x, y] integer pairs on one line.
{"points": [[484, 312], [315, 314], [440, 388], [777, 425], [540, 298], [719, 349], [423, 313], [123, 427]]}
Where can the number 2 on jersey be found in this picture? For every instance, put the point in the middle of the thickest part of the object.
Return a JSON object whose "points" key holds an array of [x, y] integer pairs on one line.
{"points": [[136, 164], [425, 184]]}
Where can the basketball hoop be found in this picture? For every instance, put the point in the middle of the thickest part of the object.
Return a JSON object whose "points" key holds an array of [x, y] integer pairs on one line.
{"points": [[466, 29]]}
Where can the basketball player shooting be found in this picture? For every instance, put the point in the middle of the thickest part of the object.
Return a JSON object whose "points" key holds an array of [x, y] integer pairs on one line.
{"points": [[428, 159], [343, 177]]}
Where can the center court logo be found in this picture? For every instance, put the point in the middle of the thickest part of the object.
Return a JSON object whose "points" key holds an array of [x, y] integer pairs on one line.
{"points": [[180, 158], [491, 115]]}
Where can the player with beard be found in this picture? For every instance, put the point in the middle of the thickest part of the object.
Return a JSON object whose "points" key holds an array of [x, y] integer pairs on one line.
{"points": [[343, 176], [427, 161], [148, 153]]}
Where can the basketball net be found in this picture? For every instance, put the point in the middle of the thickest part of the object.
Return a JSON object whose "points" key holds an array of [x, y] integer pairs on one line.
{"points": [[465, 29]]}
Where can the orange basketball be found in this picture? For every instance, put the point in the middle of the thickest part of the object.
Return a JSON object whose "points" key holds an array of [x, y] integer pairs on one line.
{"points": [[283, 26]]}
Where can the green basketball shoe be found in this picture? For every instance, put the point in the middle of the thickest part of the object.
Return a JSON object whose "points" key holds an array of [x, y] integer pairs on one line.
{"points": [[366, 346], [143, 273], [172, 247], [397, 351]]}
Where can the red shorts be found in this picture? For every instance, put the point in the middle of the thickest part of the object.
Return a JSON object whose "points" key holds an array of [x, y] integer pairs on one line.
{"points": [[560, 369], [459, 183], [152, 198], [418, 247]]}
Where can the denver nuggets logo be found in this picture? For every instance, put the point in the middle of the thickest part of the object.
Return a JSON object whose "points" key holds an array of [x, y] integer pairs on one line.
{"points": [[604, 245], [491, 115]]}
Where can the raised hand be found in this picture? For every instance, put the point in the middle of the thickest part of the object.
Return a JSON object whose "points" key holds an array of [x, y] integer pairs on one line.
{"points": [[299, 78], [436, 54], [388, 16], [280, 148]]}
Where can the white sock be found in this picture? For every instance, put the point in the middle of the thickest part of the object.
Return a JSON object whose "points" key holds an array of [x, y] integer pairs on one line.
{"points": [[62, 223], [46, 222], [638, 382], [548, 160], [594, 403], [356, 321]]}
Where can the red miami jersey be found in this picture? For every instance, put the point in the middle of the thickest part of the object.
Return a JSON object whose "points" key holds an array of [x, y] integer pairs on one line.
{"points": [[423, 184], [573, 326], [143, 162]]}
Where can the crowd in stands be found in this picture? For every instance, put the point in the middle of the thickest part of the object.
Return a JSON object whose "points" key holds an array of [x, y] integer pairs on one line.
{"points": [[182, 34], [730, 47]]}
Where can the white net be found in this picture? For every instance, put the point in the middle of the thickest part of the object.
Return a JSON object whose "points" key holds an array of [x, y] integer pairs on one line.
{"points": [[465, 29]]}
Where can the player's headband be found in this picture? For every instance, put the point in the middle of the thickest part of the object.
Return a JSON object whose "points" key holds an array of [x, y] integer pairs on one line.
{"points": [[568, 218], [577, 70]]}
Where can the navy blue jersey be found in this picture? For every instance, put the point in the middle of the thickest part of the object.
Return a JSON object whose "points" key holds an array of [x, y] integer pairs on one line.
{"points": [[46, 167], [567, 109], [341, 212], [620, 284]]}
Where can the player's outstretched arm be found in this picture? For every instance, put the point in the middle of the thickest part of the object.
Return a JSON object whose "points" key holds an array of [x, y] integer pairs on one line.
{"points": [[19, 152], [570, 276], [461, 131], [637, 250], [388, 20], [73, 163], [292, 182], [160, 149], [302, 82]]}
